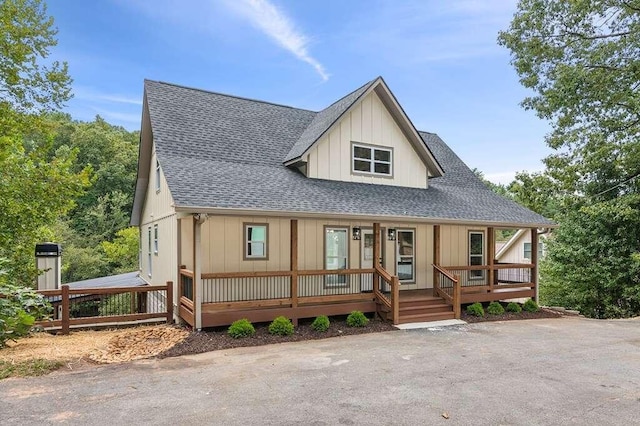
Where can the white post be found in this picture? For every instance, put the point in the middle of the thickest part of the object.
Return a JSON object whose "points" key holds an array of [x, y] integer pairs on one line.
{"points": [[197, 273]]}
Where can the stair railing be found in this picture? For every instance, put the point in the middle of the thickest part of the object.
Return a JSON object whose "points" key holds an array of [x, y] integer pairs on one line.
{"points": [[447, 286], [386, 288]]}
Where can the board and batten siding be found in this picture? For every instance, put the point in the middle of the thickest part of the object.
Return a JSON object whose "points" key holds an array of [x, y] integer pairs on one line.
{"points": [[454, 244], [223, 241], [158, 210], [369, 122]]}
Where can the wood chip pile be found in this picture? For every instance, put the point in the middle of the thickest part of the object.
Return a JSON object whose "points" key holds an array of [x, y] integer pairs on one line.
{"points": [[138, 344]]}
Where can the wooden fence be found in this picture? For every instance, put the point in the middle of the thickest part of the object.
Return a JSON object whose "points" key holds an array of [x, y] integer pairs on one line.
{"points": [[116, 305]]}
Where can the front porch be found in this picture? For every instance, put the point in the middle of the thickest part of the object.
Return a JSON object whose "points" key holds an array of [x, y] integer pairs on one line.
{"points": [[219, 298]]}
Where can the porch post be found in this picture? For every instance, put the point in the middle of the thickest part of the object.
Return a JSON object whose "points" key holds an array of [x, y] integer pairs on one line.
{"points": [[178, 280], [491, 256], [197, 273], [376, 255], [436, 252], [534, 261], [293, 266]]}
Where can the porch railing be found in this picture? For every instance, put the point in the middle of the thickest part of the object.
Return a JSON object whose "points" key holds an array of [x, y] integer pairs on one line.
{"points": [[186, 296], [447, 286], [493, 277], [386, 288]]}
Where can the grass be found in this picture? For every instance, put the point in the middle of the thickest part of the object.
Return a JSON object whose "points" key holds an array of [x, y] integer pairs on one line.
{"points": [[32, 367]]}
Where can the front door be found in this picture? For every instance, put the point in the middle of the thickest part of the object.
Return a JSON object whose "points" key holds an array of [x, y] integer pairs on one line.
{"points": [[366, 257]]}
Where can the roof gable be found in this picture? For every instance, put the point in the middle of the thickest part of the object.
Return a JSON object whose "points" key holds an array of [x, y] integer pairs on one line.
{"points": [[330, 116]]}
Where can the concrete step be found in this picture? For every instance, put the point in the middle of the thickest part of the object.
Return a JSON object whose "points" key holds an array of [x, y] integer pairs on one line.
{"points": [[436, 316]]}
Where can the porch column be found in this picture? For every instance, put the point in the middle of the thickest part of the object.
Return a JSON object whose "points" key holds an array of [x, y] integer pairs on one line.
{"points": [[177, 288], [491, 256], [436, 253], [534, 261], [197, 272], [293, 266], [376, 256]]}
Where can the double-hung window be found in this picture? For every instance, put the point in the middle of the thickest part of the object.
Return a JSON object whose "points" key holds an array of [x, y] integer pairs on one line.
{"points": [[406, 255], [256, 241], [527, 250], [157, 176], [476, 254], [371, 160], [155, 239], [336, 254]]}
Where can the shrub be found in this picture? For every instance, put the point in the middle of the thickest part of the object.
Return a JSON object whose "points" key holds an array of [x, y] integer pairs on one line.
{"points": [[321, 323], [357, 319], [20, 308], [530, 306], [281, 326], [514, 307], [476, 309], [495, 308], [241, 328]]}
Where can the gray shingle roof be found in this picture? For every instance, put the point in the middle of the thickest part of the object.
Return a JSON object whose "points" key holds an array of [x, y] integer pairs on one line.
{"points": [[220, 151]]}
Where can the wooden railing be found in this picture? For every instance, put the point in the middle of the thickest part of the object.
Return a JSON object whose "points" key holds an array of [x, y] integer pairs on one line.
{"points": [[94, 306], [386, 288], [186, 294], [447, 285], [493, 277]]}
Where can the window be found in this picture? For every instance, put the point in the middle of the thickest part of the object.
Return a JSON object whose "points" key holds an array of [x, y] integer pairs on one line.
{"points": [[527, 250], [406, 255], [157, 176], [336, 254], [149, 249], [255, 241], [367, 159], [476, 254], [155, 239]]}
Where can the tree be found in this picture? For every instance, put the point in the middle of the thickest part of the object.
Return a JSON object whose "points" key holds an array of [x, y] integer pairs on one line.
{"points": [[28, 88], [582, 58], [37, 183], [122, 253]]}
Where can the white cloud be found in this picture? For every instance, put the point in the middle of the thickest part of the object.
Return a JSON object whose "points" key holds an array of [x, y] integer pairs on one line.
{"points": [[278, 26], [93, 95]]}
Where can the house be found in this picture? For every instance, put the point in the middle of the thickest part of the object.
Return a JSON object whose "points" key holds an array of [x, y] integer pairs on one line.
{"points": [[517, 249], [255, 210]]}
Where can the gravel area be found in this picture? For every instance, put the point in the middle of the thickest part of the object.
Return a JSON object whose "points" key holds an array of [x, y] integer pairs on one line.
{"points": [[216, 339]]}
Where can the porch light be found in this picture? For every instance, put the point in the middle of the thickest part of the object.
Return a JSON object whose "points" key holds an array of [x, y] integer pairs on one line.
{"points": [[391, 234], [356, 233]]}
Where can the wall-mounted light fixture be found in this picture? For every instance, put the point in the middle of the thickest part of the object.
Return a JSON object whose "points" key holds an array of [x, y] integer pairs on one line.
{"points": [[391, 234], [355, 232]]}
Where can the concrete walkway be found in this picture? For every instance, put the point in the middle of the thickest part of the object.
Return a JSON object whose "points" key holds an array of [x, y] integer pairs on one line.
{"points": [[554, 371]]}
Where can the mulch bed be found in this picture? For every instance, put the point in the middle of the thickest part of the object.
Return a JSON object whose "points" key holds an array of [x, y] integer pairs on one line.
{"points": [[542, 313], [217, 338]]}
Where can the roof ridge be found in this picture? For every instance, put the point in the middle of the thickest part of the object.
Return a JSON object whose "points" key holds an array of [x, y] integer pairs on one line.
{"points": [[350, 93], [228, 95]]}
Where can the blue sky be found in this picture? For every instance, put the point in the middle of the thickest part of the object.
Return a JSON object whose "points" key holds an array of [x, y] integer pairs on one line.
{"points": [[440, 58]]}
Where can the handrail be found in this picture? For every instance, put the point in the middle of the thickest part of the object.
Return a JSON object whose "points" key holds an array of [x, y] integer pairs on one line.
{"points": [[455, 296], [488, 267], [392, 302], [443, 271]]}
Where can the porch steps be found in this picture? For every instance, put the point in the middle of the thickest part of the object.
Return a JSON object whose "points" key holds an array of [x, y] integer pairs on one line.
{"points": [[423, 308]]}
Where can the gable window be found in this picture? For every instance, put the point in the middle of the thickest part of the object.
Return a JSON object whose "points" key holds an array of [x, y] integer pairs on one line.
{"points": [[476, 254], [149, 249], [406, 255], [155, 239], [157, 176], [336, 254], [256, 241], [372, 160]]}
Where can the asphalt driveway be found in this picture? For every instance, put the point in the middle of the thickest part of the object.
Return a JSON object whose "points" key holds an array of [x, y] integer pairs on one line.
{"points": [[555, 371]]}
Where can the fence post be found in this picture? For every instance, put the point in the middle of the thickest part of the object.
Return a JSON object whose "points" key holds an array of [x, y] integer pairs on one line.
{"points": [[65, 309], [169, 302]]}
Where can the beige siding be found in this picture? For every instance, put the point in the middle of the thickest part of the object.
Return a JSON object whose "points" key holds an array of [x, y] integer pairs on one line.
{"points": [[158, 209], [454, 244], [369, 122], [223, 240], [515, 253]]}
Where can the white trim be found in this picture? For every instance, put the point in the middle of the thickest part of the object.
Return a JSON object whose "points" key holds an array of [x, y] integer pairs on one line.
{"points": [[510, 243], [344, 229], [480, 276], [413, 254], [371, 160]]}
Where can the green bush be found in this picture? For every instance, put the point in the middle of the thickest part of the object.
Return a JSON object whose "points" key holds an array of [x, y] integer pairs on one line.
{"points": [[20, 308], [530, 306], [281, 326], [476, 309], [495, 308], [514, 307], [357, 319], [241, 328], [321, 323]]}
